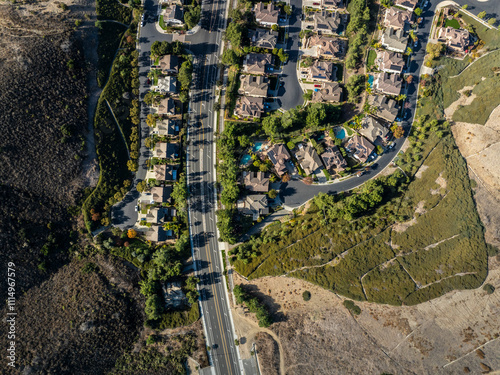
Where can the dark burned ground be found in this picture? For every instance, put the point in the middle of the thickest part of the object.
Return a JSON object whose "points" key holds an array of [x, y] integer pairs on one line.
{"points": [[42, 114], [77, 322], [269, 355]]}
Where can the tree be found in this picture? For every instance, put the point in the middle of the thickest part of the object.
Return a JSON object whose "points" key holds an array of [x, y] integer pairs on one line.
{"points": [[185, 75], [229, 57], [306, 295], [492, 21], [386, 3], [151, 120], [465, 6], [398, 131], [272, 126], [184, 96], [234, 33], [482, 14], [132, 166], [154, 308], [272, 194], [354, 87], [418, 12], [287, 9], [141, 186], [192, 16], [316, 115], [180, 193], [401, 97], [131, 233], [435, 50], [275, 27]]}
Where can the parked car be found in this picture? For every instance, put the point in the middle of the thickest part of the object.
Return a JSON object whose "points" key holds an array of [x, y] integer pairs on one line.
{"points": [[392, 145], [317, 85], [136, 208]]}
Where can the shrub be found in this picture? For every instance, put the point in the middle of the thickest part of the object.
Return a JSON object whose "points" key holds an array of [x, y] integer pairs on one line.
{"points": [[489, 288], [306, 295], [352, 307]]}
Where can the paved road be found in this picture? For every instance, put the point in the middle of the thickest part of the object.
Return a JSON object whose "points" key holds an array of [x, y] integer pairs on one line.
{"points": [[290, 95], [295, 193], [205, 45]]}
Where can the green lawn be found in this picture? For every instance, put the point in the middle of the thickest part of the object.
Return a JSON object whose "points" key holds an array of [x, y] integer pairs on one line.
{"points": [[452, 23], [372, 55], [340, 72]]}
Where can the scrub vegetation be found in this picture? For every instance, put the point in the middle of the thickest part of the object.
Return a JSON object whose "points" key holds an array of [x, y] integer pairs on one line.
{"points": [[399, 239]]}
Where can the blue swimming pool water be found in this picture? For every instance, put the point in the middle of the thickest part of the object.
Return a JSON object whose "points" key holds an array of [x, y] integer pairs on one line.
{"points": [[340, 133], [245, 159], [257, 146], [370, 80]]}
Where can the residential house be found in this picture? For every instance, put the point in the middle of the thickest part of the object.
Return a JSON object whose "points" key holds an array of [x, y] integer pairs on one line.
{"points": [[164, 150], [333, 160], [173, 16], [255, 86], [394, 40], [169, 64], [253, 205], [167, 128], [258, 63], [266, 14], [249, 107], [360, 148], [407, 4], [165, 172], [329, 92], [326, 22], [166, 107], [373, 129], [333, 48], [256, 182], [155, 215], [398, 18], [320, 71], [162, 194], [332, 4], [390, 62], [390, 84], [263, 38], [456, 39], [386, 108], [279, 156], [167, 85], [308, 159], [156, 233]]}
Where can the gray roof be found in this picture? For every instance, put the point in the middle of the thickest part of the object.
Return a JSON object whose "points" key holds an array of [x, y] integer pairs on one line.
{"points": [[165, 172], [174, 13], [390, 84], [360, 147], [256, 63], [329, 22], [394, 39], [166, 107], [386, 108], [167, 84], [256, 181], [254, 205], [248, 106], [308, 158], [371, 129], [397, 18], [322, 70], [156, 233], [263, 38], [266, 13], [409, 4], [279, 155], [253, 85]]}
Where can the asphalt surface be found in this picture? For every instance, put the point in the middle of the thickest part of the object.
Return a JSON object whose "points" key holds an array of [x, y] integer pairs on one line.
{"points": [[295, 193], [290, 94], [205, 46]]}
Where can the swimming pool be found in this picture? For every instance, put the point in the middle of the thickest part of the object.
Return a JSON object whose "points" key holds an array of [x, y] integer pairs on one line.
{"points": [[245, 159], [257, 146], [370, 80], [340, 133]]}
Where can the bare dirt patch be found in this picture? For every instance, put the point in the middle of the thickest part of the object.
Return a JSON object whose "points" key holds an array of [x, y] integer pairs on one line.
{"points": [[401, 227], [462, 101], [437, 337]]}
